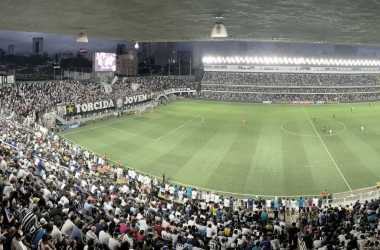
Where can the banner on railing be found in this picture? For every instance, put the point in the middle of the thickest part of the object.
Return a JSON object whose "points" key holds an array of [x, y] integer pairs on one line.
{"points": [[300, 102], [67, 127], [107, 104], [268, 102], [178, 90], [7, 79]]}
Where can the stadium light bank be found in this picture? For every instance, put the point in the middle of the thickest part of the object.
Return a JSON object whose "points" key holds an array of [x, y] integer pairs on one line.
{"points": [[288, 61]]}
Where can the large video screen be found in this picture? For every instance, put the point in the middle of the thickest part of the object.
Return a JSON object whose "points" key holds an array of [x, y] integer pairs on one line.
{"points": [[105, 61]]}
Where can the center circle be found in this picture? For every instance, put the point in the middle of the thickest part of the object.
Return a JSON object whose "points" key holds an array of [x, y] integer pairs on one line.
{"points": [[304, 127]]}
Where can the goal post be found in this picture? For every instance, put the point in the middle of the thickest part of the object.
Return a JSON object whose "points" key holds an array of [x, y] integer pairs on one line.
{"points": [[145, 109]]}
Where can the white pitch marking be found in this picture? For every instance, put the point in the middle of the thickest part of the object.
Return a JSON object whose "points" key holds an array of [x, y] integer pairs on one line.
{"points": [[182, 125], [130, 133], [203, 119], [326, 148]]}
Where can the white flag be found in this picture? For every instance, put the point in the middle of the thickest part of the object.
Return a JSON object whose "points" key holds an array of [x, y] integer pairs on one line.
{"points": [[107, 88], [124, 79], [114, 80], [135, 86]]}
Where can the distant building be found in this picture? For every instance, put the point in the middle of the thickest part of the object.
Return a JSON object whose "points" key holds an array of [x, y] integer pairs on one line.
{"points": [[159, 54], [184, 57], [121, 49], [127, 64], [38, 46], [66, 55], [146, 53], [11, 49], [171, 52], [84, 54], [27, 54], [196, 57]]}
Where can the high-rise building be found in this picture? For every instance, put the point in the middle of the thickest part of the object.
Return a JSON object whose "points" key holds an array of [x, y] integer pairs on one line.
{"points": [[171, 52], [184, 57], [159, 54], [196, 60], [127, 64], [38, 46], [11, 49], [121, 49], [145, 53], [65, 55]]}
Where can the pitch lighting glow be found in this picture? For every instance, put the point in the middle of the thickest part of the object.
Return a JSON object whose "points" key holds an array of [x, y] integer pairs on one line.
{"points": [[285, 60]]}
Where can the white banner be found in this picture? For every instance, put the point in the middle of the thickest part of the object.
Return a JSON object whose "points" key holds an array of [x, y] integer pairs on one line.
{"points": [[11, 79]]}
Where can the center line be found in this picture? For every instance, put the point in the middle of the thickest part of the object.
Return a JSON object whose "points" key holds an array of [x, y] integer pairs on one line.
{"points": [[326, 148]]}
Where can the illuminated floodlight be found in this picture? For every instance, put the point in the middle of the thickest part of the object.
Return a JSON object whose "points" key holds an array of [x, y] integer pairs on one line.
{"points": [[82, 38], [219, 30]]}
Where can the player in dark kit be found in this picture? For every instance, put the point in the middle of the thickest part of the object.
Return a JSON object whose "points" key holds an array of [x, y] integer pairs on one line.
{"points": [[315, 119], [324, 129]]}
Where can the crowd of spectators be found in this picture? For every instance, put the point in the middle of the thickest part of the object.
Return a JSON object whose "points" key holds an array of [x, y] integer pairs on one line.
{"points": [[45, 96], [254, 89], [282, 87], [287, 79], [56, 195]]}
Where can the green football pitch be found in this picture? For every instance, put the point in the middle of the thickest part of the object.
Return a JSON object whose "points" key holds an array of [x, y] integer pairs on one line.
{"points": [[281, 151]]}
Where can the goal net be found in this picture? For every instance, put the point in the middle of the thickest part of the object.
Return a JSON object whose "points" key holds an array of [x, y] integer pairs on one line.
{"points": [[145, 109]]}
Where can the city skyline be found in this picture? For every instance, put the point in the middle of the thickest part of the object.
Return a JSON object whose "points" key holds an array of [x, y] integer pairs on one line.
{"points": [[55, 43]]}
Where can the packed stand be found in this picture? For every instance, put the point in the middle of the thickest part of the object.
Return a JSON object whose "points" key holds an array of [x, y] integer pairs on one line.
{"points": [[26, 97], [295, 87], [55, 195], [287, 79], [258, 97]]}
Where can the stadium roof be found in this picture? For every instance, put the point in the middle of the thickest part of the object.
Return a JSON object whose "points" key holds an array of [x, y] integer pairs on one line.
{"points": [[323, 21]]}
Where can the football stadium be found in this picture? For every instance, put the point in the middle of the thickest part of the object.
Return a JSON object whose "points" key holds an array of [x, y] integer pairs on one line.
{"points": [[265, 137]]}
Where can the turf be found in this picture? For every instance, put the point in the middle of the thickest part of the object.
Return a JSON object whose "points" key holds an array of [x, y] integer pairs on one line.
{"points": [[280, 152]]}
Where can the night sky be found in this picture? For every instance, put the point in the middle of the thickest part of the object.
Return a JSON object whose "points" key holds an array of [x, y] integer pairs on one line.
{"points": [[61, 43]]}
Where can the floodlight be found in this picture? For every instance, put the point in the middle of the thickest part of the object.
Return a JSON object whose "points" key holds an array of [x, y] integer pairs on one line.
{"points": [[82, 38], [219, 30]]}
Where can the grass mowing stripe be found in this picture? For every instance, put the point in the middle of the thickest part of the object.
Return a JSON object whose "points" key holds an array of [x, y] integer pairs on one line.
{"points": [[328, 152]]}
